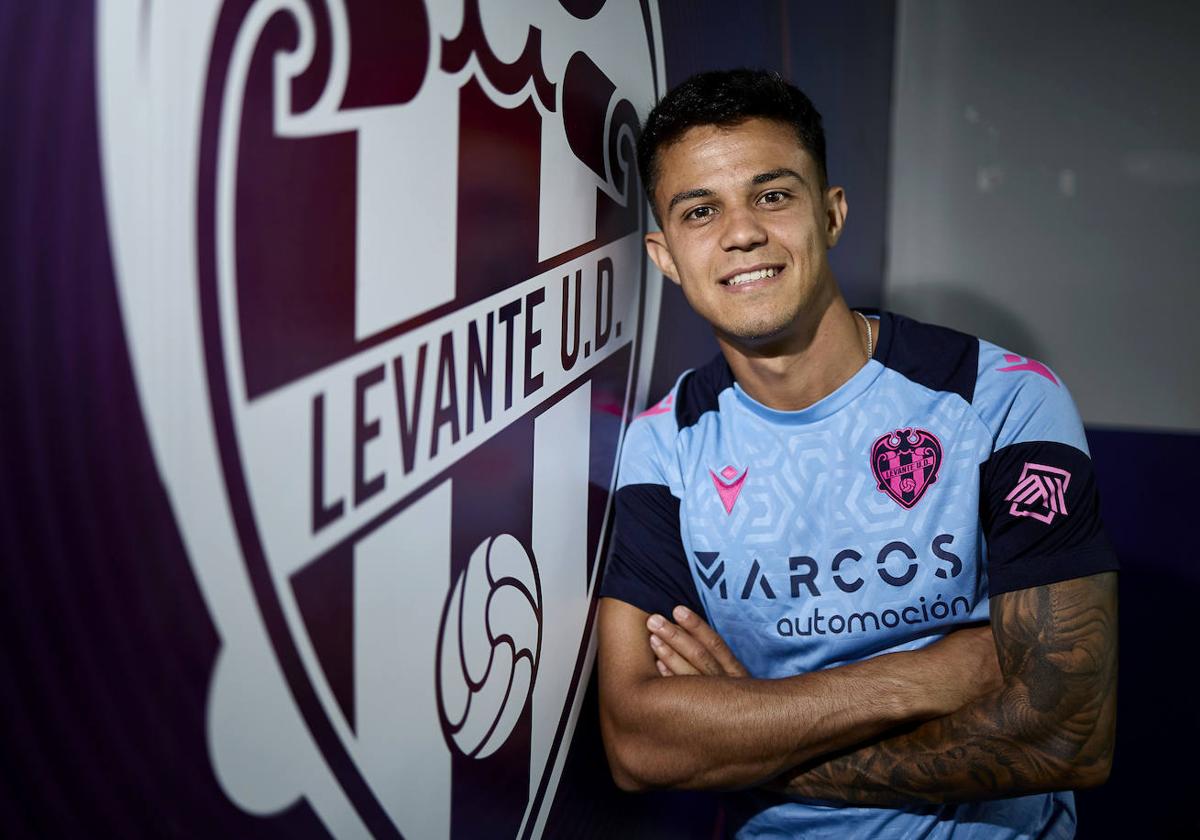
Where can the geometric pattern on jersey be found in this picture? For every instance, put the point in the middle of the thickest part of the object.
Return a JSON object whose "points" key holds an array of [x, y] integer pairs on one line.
{"points": [[807, 563]]}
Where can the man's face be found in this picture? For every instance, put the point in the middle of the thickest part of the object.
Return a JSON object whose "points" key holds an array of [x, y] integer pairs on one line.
{"points": [[746, 228]]}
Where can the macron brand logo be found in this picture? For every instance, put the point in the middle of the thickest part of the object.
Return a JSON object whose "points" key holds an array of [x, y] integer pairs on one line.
{"points": [[1041, 493], [729, 485], [1016, 363]]}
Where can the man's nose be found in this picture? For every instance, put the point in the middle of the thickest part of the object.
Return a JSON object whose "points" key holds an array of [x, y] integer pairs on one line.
{"points": [[743, 230]]}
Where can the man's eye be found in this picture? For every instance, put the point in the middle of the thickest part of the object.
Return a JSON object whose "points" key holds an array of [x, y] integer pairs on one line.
{"points": [[699, 213], [773, 197]]}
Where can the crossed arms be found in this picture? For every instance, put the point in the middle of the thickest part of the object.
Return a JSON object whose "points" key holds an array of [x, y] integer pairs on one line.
{"points": [[1027, 706]]}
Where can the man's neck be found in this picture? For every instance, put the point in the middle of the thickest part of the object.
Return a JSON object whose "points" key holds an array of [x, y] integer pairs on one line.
{"points": [[805, 367]]}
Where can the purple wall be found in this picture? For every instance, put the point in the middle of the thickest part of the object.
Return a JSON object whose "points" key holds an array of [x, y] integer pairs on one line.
{"points": [[108, 648], [107, 645], [1147, 502]]}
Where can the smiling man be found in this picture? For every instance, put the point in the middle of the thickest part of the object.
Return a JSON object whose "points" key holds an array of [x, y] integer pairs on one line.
{"points": [[858, 573]]}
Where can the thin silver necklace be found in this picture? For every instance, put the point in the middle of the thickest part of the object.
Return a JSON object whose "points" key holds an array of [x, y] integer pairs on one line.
{"points": [[870, 340]]}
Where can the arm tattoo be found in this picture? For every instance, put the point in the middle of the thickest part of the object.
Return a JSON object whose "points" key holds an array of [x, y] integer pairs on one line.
{"points": [[1049, 727]]}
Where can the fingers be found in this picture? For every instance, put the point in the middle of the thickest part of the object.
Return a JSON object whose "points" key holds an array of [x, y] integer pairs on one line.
{"points": [[711, 640], [668, 661], [681, 652]]}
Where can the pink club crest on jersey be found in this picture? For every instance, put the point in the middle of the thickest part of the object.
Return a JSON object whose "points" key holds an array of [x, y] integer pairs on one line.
{"points": [[1041, 493], [905, 462], [729, 485]]}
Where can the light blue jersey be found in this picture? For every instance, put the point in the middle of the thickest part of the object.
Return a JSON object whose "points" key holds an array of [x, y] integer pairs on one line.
{"points": [[876, 520]]}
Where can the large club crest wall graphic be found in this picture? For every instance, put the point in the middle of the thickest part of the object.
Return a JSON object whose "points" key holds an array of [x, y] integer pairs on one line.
{"points": [[381, 275]]}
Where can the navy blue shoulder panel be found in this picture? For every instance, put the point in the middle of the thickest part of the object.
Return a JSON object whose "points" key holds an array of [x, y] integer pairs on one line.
{"points": [[699, 390], [647, 566], [939, 358]]}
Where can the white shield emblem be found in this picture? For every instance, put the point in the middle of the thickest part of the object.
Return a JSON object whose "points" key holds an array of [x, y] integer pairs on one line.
{"points": [[381, 272]]}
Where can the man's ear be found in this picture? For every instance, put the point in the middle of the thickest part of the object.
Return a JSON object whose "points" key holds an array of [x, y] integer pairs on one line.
{"points": [[656, 247], [836, 211]]}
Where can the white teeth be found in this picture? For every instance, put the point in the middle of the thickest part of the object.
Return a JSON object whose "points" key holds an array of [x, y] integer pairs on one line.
{"points": [[749, 276]]}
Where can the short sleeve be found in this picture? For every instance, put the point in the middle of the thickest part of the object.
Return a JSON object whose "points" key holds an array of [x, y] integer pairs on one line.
{"points": [[1039, 504], [647, 563], [647, 566], [1041, 517]]}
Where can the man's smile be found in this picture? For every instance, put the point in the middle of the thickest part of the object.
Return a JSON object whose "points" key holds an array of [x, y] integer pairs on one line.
{"points": [[755, 275]]}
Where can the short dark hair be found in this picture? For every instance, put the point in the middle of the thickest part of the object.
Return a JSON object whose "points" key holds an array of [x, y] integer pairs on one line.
{"points": [[726, 98]]}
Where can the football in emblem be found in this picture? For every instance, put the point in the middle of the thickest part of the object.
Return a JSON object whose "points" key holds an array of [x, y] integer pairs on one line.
{"points": [[490, 640], [905, 463]]}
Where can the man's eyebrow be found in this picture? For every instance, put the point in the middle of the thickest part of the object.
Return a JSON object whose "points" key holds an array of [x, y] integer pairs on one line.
{"points": [[687, 196], [774, 174]]}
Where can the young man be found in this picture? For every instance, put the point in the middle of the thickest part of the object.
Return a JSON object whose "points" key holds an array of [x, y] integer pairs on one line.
{"points": [[830, 511]]}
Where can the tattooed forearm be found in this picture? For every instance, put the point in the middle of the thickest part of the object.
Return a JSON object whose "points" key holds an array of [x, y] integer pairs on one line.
{"points": [[1049, 727]]}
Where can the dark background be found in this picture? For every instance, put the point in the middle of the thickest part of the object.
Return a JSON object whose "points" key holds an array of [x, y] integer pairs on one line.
{"points": [[106, 648]]}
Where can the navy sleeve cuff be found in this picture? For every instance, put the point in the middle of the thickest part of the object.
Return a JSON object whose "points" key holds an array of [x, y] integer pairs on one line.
{"points": [[1043, 571]]}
